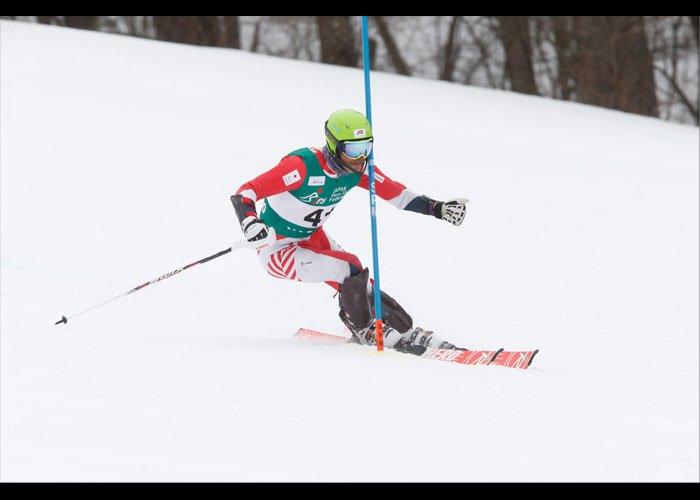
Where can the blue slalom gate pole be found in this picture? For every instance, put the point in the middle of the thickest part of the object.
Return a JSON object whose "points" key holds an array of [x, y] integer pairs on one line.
{"points": [[372, 193]]}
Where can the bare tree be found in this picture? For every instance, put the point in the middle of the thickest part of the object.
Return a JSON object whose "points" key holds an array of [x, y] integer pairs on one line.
{"points": [[132, 25], [338, 44], [179, 29], [484, 60], [391, 46], [672, 40], [564, 49], [255, 39], [212, 31], [208, 30], [515, 36], [451, 50], [614, 66], [47, 19], [230, 32], [82, 22], [695, 23]]}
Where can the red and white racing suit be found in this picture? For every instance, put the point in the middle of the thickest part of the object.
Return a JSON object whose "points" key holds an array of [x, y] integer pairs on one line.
{"points": [[288, 196]]}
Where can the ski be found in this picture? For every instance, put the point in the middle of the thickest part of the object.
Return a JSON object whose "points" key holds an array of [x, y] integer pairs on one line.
{"points": [[462, 356], [515, 359], [499, 357], [319, 337]]}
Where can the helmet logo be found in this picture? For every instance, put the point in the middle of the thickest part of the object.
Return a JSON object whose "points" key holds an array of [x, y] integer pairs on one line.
{"points": [[359, 132]]}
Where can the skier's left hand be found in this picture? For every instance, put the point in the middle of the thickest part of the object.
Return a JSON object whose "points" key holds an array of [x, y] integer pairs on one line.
{"points": [[454, 210], [257, 233]]}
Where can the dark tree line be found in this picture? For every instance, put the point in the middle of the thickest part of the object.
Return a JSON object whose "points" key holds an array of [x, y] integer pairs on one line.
{"points": [[638, 64], [628, 63], [607, 61]]}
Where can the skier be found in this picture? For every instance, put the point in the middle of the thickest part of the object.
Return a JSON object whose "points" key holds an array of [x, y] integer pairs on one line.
{"points": [[298, 195]]}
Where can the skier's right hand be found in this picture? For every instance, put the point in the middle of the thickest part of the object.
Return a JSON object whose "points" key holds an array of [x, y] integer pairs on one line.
{"points": [[257, 232]]}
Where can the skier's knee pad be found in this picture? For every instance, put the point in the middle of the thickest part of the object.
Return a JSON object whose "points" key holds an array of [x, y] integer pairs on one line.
{"points": [[354, 300], [357, 301], [394, 315]]}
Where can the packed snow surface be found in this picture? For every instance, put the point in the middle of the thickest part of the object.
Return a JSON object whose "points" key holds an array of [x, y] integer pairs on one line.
{"points": [[118, 158]]}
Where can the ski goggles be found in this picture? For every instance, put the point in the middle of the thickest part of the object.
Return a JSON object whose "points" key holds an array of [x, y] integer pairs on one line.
{"points": [[356, 149]]}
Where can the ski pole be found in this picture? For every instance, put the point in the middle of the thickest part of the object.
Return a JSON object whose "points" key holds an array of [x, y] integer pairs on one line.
{"points": [[237, 245]]}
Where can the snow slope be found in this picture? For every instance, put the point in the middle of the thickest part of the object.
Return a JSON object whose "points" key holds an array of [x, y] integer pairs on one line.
{"points": [[118, 157]]}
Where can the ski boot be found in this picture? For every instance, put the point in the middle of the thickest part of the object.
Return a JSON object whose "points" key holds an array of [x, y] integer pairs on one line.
{"points": [[368, 335], [364, 336], [419, 340]]}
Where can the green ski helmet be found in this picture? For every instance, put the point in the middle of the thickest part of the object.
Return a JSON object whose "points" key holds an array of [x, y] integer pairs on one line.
{"points": [[348, 132]]}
